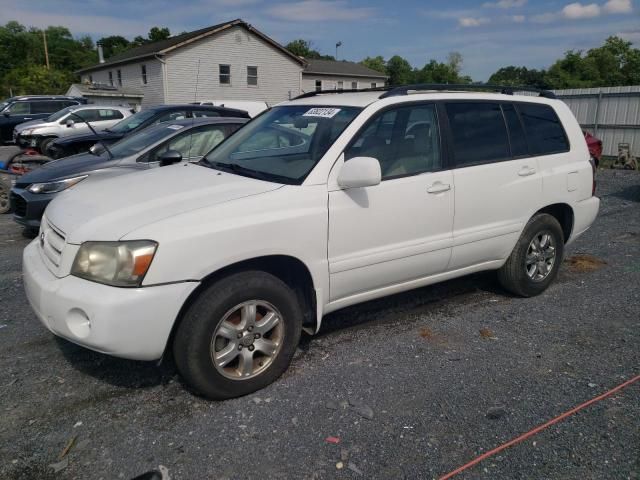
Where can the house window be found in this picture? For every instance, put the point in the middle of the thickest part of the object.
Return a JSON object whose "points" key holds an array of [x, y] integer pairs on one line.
{"points": [[318, 85], [373, 84], [90, 78], [225, 74], [111, 78], [252, 75], [354, 85], [143, 70], [119, 78], [340, 85]]}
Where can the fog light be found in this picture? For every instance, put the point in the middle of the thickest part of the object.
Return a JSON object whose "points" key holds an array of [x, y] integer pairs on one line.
{"points": [[78, 323]]}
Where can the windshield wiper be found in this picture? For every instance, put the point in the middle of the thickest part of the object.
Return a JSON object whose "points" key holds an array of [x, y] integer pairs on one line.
{"points": [[94, 132], [249, 172]]}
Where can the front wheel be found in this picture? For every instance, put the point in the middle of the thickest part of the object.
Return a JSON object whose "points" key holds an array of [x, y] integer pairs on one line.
{"points": [[239, 335], [536, 258]]}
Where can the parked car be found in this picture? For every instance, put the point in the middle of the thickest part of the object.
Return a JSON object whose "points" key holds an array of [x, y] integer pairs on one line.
{"points": [[253, 108], [311, 207], [37, 134], [74, 144], [16, 110], [169, 142], [595, 147]]}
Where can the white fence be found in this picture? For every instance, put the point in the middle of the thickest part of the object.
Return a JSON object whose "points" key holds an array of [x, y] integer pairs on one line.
{"points": [[610, 113]]}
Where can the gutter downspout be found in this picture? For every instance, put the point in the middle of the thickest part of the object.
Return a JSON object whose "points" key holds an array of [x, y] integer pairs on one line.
{"points": [[165, 82]]}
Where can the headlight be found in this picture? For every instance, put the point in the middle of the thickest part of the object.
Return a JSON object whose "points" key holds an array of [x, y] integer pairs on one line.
{"points": [[53, 187], [26, 132], [121, 264]]}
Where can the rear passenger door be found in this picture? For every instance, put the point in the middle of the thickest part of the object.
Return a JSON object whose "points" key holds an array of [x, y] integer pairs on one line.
{"points": [[498, 183]]}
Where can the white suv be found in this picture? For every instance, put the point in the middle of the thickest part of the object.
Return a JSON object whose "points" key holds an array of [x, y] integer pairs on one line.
{"points": [[322, 202]]}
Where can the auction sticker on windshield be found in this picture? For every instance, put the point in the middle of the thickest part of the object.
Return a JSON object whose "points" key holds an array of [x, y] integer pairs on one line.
{"points": [[321, 112]]}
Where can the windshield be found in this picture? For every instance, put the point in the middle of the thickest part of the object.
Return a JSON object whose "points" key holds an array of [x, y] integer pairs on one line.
{"points": [[59, 114], [137, 142], [284, 144], [132, 122]]}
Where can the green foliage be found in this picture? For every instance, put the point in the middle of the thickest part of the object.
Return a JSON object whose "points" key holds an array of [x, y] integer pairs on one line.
{"points": [[37, 80], [304, 48], [113, 45], [399, 71], [615, 63], [375, 63]]}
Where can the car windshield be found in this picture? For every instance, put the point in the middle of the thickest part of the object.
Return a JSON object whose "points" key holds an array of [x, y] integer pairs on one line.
{"points": [[59, 114], [137, 142], [132, 122], [284, 144]]}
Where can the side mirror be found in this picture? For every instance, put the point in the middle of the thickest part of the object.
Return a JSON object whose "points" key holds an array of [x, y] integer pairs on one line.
{"points": [[97, 148], [360, 172], [169, 158], [70, 123]]}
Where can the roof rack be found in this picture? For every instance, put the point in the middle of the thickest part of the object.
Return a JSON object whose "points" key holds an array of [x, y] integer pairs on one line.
{"points": [[395, 91], [504, 89]]}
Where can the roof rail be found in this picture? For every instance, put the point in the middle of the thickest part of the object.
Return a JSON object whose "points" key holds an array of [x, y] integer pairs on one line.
{"points": [[313, 93], [504, 89]]}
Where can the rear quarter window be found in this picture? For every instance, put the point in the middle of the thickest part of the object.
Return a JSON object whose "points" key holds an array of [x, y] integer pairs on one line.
{"points": [[544, 130]]}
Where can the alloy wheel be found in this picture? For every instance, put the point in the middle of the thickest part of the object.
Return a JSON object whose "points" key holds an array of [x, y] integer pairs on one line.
{"points": [[541, 256]]}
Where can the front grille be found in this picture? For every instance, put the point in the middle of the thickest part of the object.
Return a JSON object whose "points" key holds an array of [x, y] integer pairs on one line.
{"points": [[52, 242], [18, 204]]}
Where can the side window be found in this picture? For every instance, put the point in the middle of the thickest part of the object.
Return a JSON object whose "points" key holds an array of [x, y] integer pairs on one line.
{"points": [[171, 116], [46, 107], [205, 113], [478, 132], [517, 138], [406, 141], [544, 130], [203, 141], [108, 114], [20, 108], [90, 115]]}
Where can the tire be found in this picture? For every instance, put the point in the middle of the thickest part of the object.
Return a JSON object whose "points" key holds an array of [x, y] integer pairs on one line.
{"points": [[528, 272], [44, 144], [208, 335]]}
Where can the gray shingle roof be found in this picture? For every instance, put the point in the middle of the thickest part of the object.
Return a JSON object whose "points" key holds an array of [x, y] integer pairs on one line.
{"points": [[162, 46], [343, 68]]}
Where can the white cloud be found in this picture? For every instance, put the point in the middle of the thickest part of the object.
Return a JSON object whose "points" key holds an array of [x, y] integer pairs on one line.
{"points": [[319, 10], [578, 10], [472, 21], [518, 18], [505, 4], [617, 6]]}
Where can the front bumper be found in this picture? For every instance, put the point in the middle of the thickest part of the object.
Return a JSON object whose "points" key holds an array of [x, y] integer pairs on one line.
{"points": [[27, 141], [28, 207], [132, 323]]}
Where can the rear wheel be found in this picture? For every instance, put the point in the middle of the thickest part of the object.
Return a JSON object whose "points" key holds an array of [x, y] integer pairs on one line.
{"points": [[536, 258], [44, 145], [239, 335]]}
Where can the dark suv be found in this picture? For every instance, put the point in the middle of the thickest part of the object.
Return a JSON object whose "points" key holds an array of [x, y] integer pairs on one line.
{"points": [[63, 147], [16, 110]]}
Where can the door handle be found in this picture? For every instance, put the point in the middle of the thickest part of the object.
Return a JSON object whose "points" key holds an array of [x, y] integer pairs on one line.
{"points": [[526, 171], [439, 187], [26, 118]]}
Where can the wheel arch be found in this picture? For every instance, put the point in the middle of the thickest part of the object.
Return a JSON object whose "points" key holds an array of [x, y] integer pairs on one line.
{"points": [[290, 270], [565, 216]]}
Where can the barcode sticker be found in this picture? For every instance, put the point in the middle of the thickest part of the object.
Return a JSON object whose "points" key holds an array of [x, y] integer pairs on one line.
{"points": [[321, 112]]}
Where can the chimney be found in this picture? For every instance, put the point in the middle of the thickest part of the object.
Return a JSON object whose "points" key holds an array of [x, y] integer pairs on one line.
{"points": [[100, 53]]}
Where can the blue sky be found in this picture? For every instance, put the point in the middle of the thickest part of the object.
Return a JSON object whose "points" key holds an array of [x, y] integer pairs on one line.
{"points": [[489, 33]]}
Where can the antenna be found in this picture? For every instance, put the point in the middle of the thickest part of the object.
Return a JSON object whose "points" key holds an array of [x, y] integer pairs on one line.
{"points": [[195, 99], [195, 93]]}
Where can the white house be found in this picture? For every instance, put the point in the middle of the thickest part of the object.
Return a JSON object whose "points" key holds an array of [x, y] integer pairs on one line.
{"points": [[230, 61]]}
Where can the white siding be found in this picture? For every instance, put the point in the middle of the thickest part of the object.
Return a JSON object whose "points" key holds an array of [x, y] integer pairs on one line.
{"points": [[278, 74], [330, 82], [132, 79]]}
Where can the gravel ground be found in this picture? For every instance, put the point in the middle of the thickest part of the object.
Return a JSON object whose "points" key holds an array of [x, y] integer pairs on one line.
{"points": [[414, 385]]}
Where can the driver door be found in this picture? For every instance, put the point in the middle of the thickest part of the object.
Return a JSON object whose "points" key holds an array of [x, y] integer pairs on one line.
{"points": [[400, 230]]}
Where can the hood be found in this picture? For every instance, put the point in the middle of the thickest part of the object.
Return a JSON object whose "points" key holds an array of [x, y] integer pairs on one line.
{"points": [[89, 137], [65, 168], [108, 208], [30, 124]]}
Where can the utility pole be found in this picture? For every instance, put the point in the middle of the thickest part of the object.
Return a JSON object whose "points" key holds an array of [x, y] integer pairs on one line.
{"points": [[339, 44], [46, 50]]}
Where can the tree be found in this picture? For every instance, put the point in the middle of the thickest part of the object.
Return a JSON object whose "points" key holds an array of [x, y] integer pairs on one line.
{"points": [[375, 63], [156, 34], [304, 48], [399, 70], [522, 76], [36, 80], [113, 45]]}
